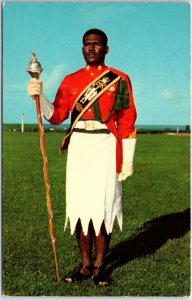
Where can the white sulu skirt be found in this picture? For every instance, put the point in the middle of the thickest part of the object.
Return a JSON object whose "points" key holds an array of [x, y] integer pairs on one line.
{"points": [[92, 190]]}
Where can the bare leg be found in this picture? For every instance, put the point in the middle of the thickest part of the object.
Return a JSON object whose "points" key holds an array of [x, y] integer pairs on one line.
{"points": [[85, 243], [101, 246]]}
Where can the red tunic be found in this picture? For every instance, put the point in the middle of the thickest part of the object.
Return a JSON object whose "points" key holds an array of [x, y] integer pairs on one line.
{"points": [[73, 84]]}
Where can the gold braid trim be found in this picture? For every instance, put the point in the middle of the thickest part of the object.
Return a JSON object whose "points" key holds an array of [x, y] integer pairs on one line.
{"points": [[133, 134]]}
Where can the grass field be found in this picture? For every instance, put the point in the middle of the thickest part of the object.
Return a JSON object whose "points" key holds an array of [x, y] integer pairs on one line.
{"points": [[150, 257]]}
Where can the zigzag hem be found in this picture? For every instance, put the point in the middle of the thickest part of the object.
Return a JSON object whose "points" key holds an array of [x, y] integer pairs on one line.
{"points": [[97, 225]]}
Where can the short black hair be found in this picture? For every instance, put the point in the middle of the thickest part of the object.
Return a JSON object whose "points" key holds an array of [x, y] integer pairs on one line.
{"points": [[98, 32]]}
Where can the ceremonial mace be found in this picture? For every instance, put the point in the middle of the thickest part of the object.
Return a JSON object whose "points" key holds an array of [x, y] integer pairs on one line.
{"points": [[35, 69]]}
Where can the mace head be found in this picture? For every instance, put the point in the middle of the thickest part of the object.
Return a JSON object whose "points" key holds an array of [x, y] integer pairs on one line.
{"points": [[34, 67]]}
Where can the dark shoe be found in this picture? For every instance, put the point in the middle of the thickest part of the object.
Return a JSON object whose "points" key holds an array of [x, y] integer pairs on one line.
{"points": [[100, 277], [78, 275]]}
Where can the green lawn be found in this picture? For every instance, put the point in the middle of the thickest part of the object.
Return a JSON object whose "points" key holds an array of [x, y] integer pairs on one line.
{"points": [[150, 257]]}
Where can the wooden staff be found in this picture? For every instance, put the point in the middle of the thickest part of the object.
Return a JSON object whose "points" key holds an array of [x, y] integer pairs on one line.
{"points": [[35, 69]]}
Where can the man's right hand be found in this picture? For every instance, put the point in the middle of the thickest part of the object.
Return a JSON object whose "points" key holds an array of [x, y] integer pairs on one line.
{"points": [[35, 87]]}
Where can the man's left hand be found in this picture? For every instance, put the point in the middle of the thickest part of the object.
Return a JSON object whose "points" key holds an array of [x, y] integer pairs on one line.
{"points": [[126, 171]]}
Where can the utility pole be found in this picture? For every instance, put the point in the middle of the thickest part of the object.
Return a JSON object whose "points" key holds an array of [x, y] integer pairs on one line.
{"points": [[22, 122]]}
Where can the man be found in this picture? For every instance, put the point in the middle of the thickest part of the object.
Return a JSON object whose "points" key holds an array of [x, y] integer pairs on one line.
{"points": [[100, 151]]}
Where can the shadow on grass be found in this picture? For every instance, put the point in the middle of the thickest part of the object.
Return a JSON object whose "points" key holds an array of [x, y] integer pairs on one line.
{"points": [[149, 238]]}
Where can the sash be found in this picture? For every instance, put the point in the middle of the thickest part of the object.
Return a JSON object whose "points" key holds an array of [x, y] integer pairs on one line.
{"points": [[86, 98]]}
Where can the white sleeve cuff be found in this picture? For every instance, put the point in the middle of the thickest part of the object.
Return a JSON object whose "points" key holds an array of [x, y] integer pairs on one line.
{"points": [[128, 150], [47, 108]]}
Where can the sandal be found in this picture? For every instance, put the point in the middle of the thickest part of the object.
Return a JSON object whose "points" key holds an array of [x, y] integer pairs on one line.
{"points": [[100, 277], [78, 276]]}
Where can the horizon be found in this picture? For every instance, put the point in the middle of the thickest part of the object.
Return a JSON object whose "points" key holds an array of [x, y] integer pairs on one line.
{"points": [[137, 125]]}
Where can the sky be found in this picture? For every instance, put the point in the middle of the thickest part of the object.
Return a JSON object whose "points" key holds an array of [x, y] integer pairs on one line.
{"points": [[149, 41]]}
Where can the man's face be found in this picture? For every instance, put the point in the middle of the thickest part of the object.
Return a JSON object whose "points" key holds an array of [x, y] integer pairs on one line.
{"points": [[93, 49]]}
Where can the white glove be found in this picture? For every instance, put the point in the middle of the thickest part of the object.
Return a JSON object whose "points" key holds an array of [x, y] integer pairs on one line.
{"points": [[128, 154], [35, 87], [126, 171]]}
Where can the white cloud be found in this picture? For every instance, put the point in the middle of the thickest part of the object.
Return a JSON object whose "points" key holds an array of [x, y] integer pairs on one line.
{"points": [[137, 89], [171, 95], [110, 11], [167, 94], [52, 80], [18, 86]]}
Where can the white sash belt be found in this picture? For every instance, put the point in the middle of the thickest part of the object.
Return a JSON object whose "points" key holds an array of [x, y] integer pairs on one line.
{"points": [[90, 125]]}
